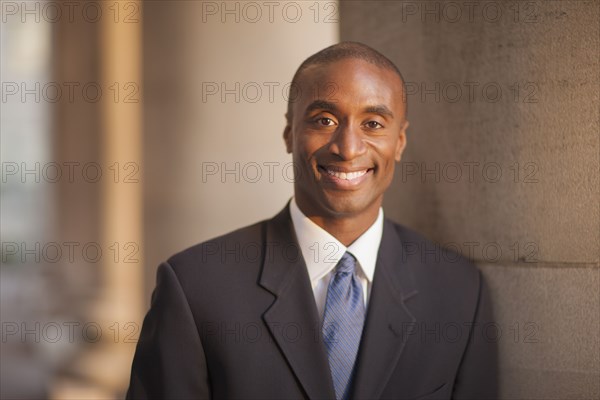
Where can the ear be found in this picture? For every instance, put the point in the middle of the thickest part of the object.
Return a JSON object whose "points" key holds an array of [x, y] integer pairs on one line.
{"points": [[401, 143], [287, 137]]}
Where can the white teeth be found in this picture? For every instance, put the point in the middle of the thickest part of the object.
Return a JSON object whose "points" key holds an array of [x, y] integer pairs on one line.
{"points": [[349, 176]]}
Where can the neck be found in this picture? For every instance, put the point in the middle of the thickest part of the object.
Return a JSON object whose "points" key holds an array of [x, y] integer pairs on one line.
{"points": [[346, 228]]}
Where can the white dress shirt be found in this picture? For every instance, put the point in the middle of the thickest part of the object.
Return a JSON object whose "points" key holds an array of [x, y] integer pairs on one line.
{"points": [[321, 252]]}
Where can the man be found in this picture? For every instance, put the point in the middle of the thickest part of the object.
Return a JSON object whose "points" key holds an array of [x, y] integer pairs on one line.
{"points": [[327, 300]]}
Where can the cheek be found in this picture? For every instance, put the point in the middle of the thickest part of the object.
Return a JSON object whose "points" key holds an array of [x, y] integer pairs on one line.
{"points": [[310, 147], [387, 166], [303, 157], [388, 169], [386, 154]]}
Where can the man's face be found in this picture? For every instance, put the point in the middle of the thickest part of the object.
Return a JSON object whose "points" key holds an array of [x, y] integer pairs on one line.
{"points": [[346, 132]]}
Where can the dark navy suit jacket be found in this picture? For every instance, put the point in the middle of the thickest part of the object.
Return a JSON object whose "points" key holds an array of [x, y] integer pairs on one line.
{"points": [[235, 318]]}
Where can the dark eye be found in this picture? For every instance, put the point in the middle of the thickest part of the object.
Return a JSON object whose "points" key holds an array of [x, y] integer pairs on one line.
{"points": [[373, 125], [325, 121]]}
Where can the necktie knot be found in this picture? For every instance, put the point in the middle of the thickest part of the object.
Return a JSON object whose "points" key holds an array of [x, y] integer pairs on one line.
{"points": [[347, 264]]}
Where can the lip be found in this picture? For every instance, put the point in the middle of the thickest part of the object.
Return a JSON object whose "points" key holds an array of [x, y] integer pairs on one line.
{"points": [[344, 178]]}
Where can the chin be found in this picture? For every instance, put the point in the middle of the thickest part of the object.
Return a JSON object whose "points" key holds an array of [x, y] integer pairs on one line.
{"points": [[347, 206]]}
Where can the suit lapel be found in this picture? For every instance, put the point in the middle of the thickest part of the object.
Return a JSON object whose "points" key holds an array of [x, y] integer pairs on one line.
{"points": [[388, 317], [292, 318]]}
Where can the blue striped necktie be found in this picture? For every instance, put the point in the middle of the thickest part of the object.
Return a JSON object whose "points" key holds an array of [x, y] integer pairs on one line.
{"points": [[343, 322]]}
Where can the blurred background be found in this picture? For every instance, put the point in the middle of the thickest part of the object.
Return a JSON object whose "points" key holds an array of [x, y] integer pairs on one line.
{"points": [[131, 130]]}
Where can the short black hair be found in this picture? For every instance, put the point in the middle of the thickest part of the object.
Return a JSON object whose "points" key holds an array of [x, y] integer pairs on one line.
{"points": [[343, 51]]}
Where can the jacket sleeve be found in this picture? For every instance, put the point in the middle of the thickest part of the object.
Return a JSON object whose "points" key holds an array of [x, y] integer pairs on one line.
{"points": [[477, 378], [169, 361]]}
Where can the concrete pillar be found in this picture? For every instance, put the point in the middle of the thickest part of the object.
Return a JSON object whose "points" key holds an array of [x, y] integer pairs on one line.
{"points": [[106, 131], [215, 76], [502, 164]]}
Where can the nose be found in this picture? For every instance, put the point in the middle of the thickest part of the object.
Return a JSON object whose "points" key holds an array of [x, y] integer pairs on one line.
{"points": [[347, 142]]}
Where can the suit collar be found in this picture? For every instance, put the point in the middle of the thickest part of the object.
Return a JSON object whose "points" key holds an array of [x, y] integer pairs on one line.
{"points": [[292, 318], [388, 316]]}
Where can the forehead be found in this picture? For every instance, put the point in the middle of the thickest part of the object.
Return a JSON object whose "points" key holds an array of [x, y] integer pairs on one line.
{"points": [[350, 82]]}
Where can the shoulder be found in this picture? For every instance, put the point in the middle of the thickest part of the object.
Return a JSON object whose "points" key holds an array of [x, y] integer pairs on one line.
{"points": [[434, 266], [220, 259], [219, 247]]}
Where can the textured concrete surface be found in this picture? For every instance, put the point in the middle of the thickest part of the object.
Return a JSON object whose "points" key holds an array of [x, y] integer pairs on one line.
{"points": [[541, 135], [503, 163], [548, 330]]}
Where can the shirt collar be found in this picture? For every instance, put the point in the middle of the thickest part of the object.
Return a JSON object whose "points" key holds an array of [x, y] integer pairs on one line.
{"points": [[322, 251]]}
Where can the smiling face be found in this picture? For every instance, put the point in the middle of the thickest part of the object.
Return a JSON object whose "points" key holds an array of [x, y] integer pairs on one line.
{"points": [[346, 131]]}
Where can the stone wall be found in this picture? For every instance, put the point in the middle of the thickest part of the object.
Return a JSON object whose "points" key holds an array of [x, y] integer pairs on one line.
{"points": [[502, 163]]}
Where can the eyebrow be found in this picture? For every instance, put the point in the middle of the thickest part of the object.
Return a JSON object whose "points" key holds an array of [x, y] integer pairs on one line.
{"points": [[321, 105], [381, 110], [329, 106]]}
